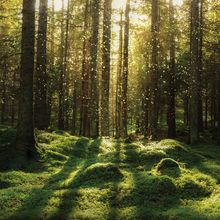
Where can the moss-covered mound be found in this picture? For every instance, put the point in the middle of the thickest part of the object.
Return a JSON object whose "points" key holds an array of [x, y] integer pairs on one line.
{"points": [[156, 187], [102, 171], [195, 185], [168, 166]]}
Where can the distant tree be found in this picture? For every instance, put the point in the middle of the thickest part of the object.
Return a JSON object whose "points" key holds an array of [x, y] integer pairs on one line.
{"points": [[25, 141]]}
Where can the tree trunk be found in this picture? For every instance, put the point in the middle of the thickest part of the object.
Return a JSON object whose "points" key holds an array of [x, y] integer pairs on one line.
{"points": [[94, 102], [106, 67], [171, 112], [124, 102], [154, 70], [40, 111], [84, 118], [119, 76], [62, 76], [25, 141], [200, 60], [194, 131]]}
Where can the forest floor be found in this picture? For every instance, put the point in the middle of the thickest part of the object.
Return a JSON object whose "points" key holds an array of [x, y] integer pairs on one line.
{"points": [[81, 178]]}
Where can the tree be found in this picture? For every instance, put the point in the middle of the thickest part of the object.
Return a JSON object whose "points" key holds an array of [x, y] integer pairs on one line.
{"points": [[40, 111], [106, 68], [94, 101], [194, 90], [171, 117], [25, 141], [154, 69], [124, 101]]}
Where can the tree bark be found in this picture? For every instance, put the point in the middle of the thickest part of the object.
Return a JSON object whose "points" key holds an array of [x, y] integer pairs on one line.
{"points": [[40, 111], [171, 114], [194, 111], [154, 70], [106, 68], [124, 103], [94, 101], [25, 141]]}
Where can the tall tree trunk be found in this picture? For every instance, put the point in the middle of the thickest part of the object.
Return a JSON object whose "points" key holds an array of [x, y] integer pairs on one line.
{"points": [[3, 93], [106, 68], [94, 101], [52, 64], [124, 103], [194, 131], [61, 91], [40, 111], [84, 118], [171, 112], [119, 76], [154, 70], [200, 60], [25, 141], [65, 67]]}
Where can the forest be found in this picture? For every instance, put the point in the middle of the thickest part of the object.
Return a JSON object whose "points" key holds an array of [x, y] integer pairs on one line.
{"points": [[109, 109]]}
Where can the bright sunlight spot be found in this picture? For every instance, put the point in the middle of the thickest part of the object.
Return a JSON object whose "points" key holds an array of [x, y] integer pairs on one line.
{"points": [[117, 4]]}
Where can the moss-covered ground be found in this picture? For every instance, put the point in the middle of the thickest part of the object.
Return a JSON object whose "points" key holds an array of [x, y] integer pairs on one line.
{"points": [[81, 178]]}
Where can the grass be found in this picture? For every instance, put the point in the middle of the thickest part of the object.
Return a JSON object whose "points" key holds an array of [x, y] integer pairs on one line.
{"points": [[81, 178]]}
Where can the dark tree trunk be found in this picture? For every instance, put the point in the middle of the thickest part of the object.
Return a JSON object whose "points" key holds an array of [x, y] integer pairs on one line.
{"points": [[25, 141], [154, 70], [200, 61], [84, 117], [40, 111], [61, 92], [119, 76], [194, 103], [106, 68], [171, 112], [94, 102], [124, 102]]}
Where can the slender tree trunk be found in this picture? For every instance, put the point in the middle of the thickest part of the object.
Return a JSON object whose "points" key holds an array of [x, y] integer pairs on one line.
{"points": [[52, 64], [61, 101], [119, 76], [154, 70], [84, 118], [3, 95], [94, 102], [171, 114], [124, 103], [65, 68], [106, 68], [194, 111], [40, 111], [25, 141], [200, 60]]}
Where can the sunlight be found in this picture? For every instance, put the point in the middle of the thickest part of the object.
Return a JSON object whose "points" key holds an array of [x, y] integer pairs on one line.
{"points": [[117, 4], [178, 2], [58, 4]]}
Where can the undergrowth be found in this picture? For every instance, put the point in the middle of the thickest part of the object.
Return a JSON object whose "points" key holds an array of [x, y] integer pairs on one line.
{"points": [[82, 178]]}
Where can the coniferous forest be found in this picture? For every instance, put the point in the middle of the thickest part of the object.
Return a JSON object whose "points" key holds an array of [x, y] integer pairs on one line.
{"points": [[109, 109]]}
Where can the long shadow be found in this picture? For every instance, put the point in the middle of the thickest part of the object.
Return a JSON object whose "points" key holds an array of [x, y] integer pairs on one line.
{"points": [[114, 200], [68, 201], [53, 184]]}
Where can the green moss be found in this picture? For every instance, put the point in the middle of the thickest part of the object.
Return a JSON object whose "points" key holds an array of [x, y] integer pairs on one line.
{"points": [[191, 185], [102, 171], [168, 166]]}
